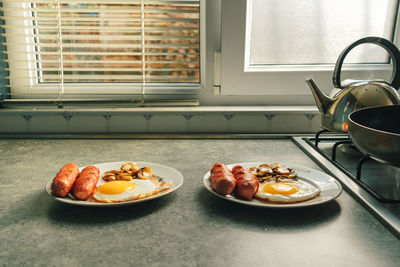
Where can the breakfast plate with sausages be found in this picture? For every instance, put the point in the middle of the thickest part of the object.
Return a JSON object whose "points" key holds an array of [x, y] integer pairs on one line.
{"points": [[113, 183], [271, 185]]}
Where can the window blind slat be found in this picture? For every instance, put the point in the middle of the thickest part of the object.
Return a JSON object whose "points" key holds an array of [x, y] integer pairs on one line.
{"points": [[149, 28], [172, 2], [100, 69], [14, 51], [108, 77], [108, 37], [109, 45], [106, 19], [107, 61], [132, 9]]}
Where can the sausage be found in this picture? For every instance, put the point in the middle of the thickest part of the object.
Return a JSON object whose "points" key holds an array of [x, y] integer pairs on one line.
{"points": [[222, 180], [86, 182], [64, 179], [247, 183]]}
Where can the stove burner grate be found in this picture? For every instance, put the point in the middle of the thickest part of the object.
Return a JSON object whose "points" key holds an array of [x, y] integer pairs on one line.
{"points": [[357, 177]]}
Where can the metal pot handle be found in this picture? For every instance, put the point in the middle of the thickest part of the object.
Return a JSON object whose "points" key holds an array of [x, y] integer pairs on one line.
{"points": [[387, 45]]}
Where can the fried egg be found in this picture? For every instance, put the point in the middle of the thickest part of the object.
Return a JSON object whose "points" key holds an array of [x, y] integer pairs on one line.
{"points": [[117, 191], [286, 191]]}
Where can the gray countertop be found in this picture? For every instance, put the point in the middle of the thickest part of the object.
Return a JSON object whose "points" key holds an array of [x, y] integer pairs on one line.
{"points": [[189, 227]]}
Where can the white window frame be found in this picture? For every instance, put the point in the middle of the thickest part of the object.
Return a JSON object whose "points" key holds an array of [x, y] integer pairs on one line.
{"points": [[31, 88], [238, 78]]}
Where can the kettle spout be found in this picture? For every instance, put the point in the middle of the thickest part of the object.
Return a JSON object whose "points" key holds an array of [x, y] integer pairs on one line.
{"points": [[321, 99]]}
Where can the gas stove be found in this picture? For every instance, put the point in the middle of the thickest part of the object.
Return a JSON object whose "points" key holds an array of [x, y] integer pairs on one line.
{"points": [[375, 185]]}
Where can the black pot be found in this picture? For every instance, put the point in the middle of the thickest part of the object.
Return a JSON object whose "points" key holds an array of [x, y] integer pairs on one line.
{"points": [[375, 131]]}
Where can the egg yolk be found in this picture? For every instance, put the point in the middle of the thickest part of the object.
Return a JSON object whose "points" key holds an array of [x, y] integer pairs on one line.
{"points": [[280, 188], [116, 187]]}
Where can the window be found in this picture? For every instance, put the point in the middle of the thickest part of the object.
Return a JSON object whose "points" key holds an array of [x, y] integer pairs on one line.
{"points": [[270, 47], [103, 48]]}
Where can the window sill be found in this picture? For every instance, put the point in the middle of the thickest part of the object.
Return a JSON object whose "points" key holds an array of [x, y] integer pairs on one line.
{"points": [[311, 110]]}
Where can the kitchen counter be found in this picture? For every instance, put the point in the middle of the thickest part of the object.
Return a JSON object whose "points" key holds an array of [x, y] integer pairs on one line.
{"points": [[189, 227]]}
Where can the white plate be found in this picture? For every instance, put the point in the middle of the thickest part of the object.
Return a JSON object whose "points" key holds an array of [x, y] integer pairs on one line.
{"points": [[330, 188], [167, 173]]}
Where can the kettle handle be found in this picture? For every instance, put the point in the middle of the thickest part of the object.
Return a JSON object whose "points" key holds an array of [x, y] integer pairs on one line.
{"points": [[387, 45]]}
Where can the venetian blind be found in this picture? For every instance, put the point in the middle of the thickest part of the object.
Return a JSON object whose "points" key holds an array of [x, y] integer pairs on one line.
{"points": [[101, 46]]}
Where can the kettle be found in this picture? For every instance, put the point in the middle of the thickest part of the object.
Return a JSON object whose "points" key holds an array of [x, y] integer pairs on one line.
{"points": [[350, 95]]}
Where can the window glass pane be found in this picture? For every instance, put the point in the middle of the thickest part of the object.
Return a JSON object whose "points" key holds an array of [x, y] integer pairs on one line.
{"points": [[158, 42], [316, 31]]}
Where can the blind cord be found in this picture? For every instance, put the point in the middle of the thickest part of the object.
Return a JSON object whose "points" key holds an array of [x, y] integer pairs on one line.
{"points": [[142, 7], [60, 46]]}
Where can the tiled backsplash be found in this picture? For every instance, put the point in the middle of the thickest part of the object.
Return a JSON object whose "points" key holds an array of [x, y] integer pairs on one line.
{"points": [[159, 123]]}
